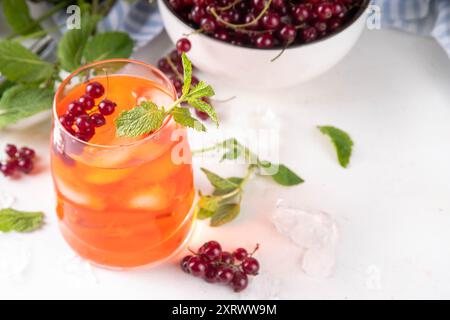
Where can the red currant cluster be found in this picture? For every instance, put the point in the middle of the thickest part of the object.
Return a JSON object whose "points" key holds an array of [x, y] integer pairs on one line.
{"points": [[84, 115], [172, 67], [217, 266], [18, 159], [266, 23]]}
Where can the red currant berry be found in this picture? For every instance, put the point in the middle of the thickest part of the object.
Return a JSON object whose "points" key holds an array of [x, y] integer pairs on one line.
{"points": [[75, 108], [225, 274], [226, 257], [83, 123], [201, 115], [66, 120], [97, 119], [11, 150], [95, 89], [211, 273], [25, 165], [8, 168], [265, 41], [288, 33], [324, 11], [240, 254], [183, 45], [106, 107], [164, 66], [239, 282], [185, 264], [197, 267], [87, 102], [212, 250], [27, 153], [250, 266]]}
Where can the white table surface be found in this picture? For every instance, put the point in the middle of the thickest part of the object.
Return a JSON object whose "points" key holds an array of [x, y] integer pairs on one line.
{"points": [[392, 204]]}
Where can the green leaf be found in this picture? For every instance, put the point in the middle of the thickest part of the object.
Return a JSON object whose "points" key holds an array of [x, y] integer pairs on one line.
{"points": [[108, 45], [187, 69], [71, 46], [232, 154], [200, 90], [140, 120], [218, 182], [20, 221], [224, 214], [342, 142], [209, 203], [286, 177], [203, 214], [183, 116], [5, 85], [21, 102], [205, 107], [17, 63], [18, 16]]}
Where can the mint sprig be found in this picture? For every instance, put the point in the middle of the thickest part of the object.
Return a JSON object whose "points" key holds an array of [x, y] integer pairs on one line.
{"points": [[148, 117], [20, 221], [224, 204], [342, 142]]}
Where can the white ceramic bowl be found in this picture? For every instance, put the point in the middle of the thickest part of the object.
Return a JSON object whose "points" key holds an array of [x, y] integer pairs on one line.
{"points": [[253, 68]]}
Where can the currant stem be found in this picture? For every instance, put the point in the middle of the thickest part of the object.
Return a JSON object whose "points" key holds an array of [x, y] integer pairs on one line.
{"points": [[249, 24], [174, 68], [231, 5]]}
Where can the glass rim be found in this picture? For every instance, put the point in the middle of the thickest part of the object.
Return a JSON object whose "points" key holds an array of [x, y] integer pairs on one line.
{"points": [[101, 62]]}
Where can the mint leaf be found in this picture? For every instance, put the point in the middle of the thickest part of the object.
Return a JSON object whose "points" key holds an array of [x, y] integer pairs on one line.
{"points": [[5, 85], [140, 120], [218, 182], [200, 90], [284, 176], [187, 68], [232, 154], [17, 63], [203, 214], [18, 16], [205, 107], [108, 45], [209, 203], [342, 142], [224, 214], [183, 116], [72, 44], [21, 102], [20, 221]]}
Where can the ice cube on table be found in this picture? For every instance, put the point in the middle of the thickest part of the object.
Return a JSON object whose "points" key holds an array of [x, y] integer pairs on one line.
{"points": [[314, 232], [15, 258], [6, 199], [319, 262], [306, 228]]}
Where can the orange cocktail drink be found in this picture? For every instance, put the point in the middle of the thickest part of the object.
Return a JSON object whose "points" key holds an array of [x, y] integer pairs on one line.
{"points": [[122, 202]]}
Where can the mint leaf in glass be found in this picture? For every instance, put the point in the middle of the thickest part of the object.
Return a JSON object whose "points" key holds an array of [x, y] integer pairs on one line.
{"points": [[136, 122]]}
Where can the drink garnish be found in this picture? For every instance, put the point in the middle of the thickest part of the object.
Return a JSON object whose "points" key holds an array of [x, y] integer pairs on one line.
{"points": [[20, 221], [148, 117]]}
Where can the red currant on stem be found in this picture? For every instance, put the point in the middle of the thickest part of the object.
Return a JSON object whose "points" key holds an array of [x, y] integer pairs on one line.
{"points": [[183, 45]]}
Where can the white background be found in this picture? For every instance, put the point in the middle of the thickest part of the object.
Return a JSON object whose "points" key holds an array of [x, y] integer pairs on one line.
{"points": [[392, 204]]}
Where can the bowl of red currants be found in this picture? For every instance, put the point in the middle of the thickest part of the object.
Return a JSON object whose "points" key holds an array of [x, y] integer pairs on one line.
{"points": [[265, 43]]}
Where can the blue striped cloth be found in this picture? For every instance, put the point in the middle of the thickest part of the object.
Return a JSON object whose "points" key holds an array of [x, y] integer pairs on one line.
{"points": [[140, 19], [423, 17]]}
